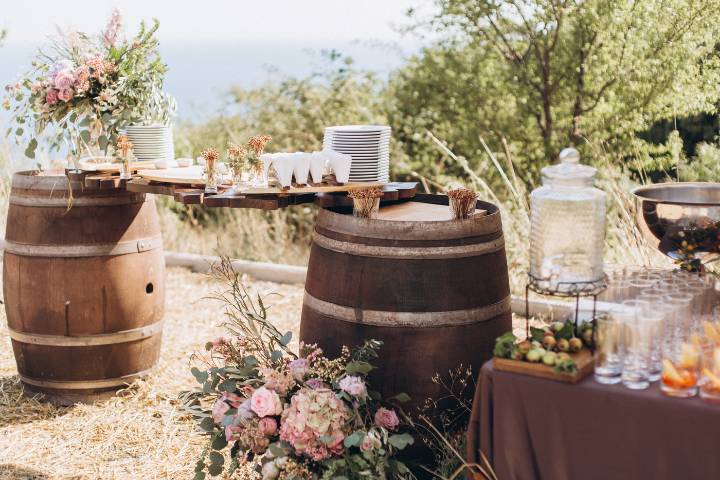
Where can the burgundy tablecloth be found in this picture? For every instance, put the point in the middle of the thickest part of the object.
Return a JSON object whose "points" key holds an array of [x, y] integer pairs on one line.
{"points": [[535, 429]]}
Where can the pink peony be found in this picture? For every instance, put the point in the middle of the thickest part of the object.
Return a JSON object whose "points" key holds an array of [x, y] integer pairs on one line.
{"points": [[66, 94], [268, 426], [63, 80], [386, 418], [51, 98], [265, 402], [353, 385], [219, 410]]}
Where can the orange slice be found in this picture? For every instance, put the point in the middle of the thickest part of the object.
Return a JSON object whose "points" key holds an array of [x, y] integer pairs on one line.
{"points": [[689, 357], [670, 373], [714, 379]]}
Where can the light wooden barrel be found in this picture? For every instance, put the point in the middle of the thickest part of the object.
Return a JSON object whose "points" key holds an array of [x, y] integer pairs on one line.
{"points": [[435, 291], [83, 281]]}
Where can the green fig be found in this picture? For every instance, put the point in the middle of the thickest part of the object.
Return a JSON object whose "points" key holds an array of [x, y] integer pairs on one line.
{"points": [[575, 344], [562, 356], [587, 336], [533, 356], [563, 345], [549, 342], [549, 359], [524, 347], [557, 326]]}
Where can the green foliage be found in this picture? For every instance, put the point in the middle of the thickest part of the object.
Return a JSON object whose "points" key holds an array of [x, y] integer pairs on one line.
{"points": [[547, 74]]}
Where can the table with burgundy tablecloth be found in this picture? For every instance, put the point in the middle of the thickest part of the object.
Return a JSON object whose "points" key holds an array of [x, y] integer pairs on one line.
{"points": [[536, 429]]}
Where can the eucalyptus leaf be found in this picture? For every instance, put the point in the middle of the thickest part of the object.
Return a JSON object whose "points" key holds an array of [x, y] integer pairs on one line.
{"points": [[207, 424], [219, 442], [401, 440]]}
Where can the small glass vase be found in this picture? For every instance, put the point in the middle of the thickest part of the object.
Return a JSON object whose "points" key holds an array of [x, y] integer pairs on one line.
{"points": [[211, 183], [241, 178], [125, 173], [257, 174], [366, 207]]}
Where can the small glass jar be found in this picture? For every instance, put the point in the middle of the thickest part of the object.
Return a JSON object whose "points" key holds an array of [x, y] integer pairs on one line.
{"points": [[125, 173], [567, 226], [211, 177]]}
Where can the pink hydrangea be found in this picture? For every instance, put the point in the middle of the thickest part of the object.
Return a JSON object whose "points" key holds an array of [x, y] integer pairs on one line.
{"points": [[265, 402], [386, 418], [298, 368], [82, 79], [312, 415], [51, 98], [315, 383], [353, 385], [278, 381]]}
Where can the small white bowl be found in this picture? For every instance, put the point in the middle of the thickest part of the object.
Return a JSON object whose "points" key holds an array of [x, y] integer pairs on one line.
{"points": [[340, 164], [184, 162], [317, 165], [284, 165], [301, 168]]}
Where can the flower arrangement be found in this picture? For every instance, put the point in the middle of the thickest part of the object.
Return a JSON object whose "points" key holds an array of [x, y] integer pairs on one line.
{"points": [[211, 156], [462, 202], [237, 160], [366, 201], [89, 88], [290, 416], [124, 145]]}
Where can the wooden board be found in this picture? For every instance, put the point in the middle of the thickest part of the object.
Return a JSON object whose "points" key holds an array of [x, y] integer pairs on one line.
{"points": [[392, 192], [106, 167], [194, 176], [418, 212], [584, 360]]}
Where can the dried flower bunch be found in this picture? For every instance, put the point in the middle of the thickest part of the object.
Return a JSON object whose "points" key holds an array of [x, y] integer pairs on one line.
{"points": [[237, 157], [365, 200], [124, 145], [257, 144], [210, 155], [462, 202], [89, 87], [290, 416]]}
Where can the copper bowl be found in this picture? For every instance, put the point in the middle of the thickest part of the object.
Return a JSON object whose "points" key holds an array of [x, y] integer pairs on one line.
{"points": [[670, 213]]}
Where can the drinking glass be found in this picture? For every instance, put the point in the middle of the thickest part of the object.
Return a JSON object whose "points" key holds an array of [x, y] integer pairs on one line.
{"points": [[636, 340], [654, 317], [210, 177], [125, 173], [681, 365], [710, 377], [608, 350]]}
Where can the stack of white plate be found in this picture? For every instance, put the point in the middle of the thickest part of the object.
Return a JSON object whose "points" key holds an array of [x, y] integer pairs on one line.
{"points": [[369, 147], [152, 142]]}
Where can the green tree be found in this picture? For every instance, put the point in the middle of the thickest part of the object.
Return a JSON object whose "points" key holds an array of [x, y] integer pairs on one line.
{"points": [[566, 71]]}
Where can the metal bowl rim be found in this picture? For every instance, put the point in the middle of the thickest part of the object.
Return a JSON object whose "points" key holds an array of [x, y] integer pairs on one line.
{"points": [[638, 191]]}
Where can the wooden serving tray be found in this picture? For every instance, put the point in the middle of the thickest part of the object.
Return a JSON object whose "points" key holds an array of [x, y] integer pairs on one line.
{"points": [[107, 167], [194, 176], [584, 360]]}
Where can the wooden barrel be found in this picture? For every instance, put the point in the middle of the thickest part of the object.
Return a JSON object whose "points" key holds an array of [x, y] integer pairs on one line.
{"points": [[434, 290], [83, 281]]}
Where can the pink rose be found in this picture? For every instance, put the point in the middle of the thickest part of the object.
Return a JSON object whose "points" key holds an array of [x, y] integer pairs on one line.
{"points": [[219, 410], [386, 418], [51, 98], [353, 385], [367, 444], [66, 94], [63, 80], [299, 367], [268, 426], [265, 402]]}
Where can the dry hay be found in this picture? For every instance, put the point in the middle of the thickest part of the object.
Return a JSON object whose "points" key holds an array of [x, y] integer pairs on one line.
{"points": [[143, 433]]}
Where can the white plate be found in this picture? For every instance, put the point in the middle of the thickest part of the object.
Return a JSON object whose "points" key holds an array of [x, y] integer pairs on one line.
{"points": [[358, 128]]}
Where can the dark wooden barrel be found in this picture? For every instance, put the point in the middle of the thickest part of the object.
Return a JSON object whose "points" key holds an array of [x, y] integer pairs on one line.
{"points": [[434, 290], [83, 281]]}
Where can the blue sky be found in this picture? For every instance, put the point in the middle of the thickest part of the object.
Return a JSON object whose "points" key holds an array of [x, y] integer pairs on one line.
{"points": [[308, 21]]}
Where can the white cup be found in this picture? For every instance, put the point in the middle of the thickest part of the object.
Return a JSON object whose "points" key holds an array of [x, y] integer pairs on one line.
{"points": [[340, 164], [185, 162], [317, 165], [301, 167], [284, 165]]}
